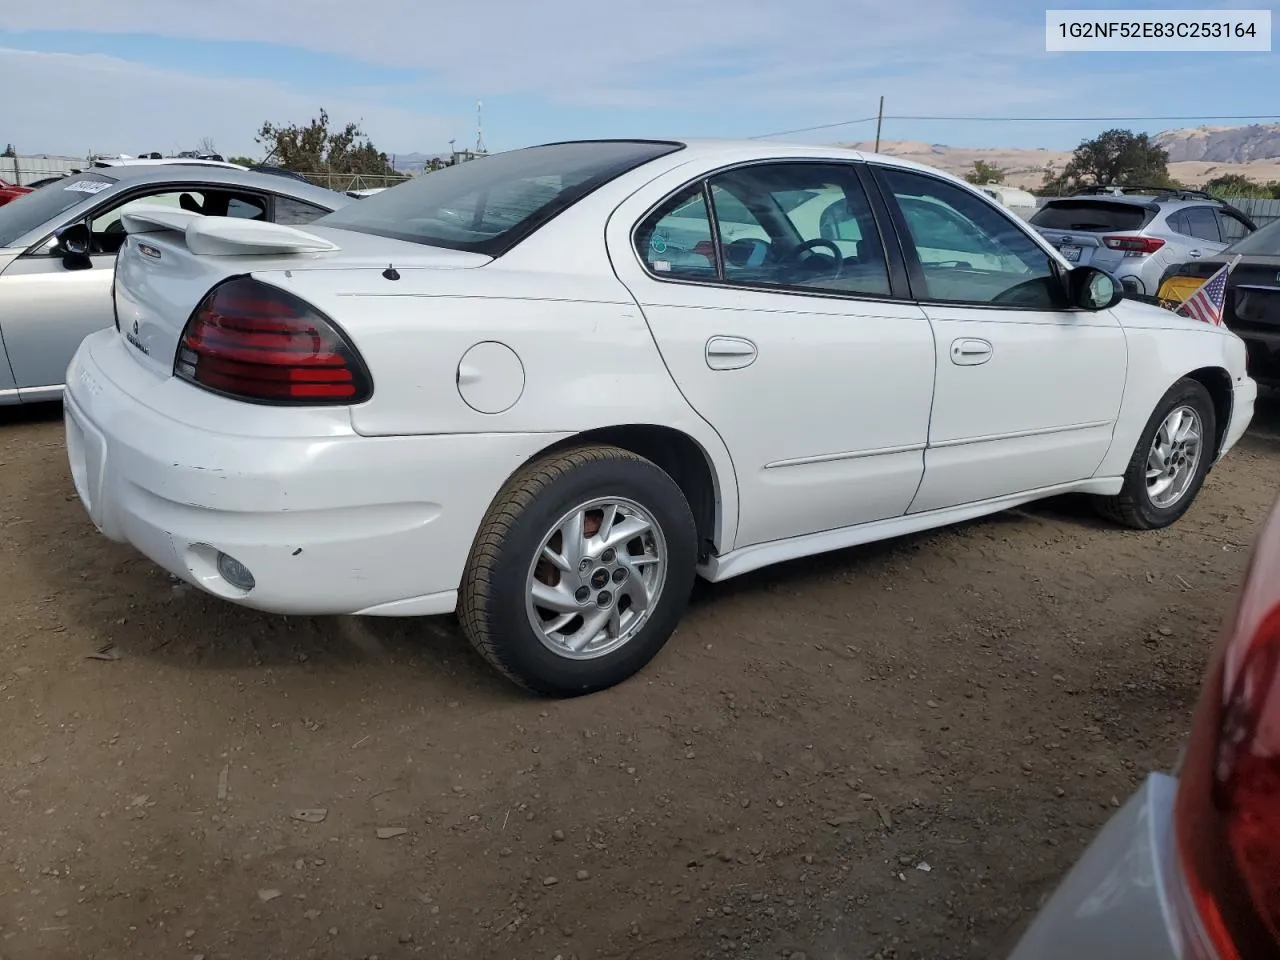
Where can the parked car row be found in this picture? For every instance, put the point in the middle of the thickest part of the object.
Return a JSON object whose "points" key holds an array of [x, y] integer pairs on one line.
{"points": [[58, 251]]}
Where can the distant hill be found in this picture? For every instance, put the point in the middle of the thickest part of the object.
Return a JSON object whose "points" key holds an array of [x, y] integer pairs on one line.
{"points": [[1261, 141], [1196, 155]]}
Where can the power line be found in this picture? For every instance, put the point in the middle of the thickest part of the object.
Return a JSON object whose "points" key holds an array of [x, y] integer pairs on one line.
{"points": [[1164, 119], [825, 126]]}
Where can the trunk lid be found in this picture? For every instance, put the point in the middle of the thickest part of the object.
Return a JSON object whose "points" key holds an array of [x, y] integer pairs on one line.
{"points": [[1084, 249], [160, 279]]}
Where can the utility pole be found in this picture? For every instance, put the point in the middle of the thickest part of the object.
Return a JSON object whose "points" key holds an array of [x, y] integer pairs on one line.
{"points": [[879, 121]]}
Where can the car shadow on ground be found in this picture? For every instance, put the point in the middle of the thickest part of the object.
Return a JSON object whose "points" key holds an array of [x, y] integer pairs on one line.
{"points": [[126, 604]]}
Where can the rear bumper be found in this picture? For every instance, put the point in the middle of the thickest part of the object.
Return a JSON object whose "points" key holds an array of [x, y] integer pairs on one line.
{"points": [[1115, 903], [1244, 397], [327, 521]]}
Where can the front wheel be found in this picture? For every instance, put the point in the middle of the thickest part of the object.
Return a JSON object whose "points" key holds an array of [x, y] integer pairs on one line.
{"points": [[1169, 464], [580, 572]]}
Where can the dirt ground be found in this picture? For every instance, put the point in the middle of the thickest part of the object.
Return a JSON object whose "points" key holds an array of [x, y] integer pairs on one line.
{"points": [[888, 752]]}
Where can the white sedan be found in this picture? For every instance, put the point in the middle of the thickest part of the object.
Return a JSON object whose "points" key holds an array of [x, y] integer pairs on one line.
{"points": [[548, 388]]}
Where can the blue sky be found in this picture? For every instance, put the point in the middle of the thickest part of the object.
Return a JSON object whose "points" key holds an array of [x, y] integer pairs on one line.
{"points": [[139, 75]]}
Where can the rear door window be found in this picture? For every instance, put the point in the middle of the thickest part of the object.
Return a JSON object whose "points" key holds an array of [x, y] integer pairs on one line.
{"points": [[1203, 223], [676, 240], [1092, 216]]}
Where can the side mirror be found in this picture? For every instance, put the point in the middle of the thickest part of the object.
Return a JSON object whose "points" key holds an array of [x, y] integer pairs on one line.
{"points": [[74, 242], [1089, 288]]}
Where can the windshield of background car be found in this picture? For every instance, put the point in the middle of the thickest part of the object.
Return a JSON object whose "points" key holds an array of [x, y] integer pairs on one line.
{"points": [[1265, 242], [490, 204], [31, 210], [1091, 216]]}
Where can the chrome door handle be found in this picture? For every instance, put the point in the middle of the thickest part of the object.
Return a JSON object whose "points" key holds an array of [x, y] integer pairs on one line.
{"points": [[1195, 254], [730, 353], [970, 352]]}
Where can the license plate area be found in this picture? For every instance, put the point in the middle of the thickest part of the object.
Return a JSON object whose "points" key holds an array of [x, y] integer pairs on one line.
{"points": [[1070, 251]]}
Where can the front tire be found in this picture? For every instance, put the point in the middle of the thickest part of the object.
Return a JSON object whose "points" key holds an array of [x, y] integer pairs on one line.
{"points": [[1170, 462], [580, 571]]}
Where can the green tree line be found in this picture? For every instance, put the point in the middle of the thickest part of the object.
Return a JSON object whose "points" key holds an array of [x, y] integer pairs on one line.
{"points": [[1123, 158]]}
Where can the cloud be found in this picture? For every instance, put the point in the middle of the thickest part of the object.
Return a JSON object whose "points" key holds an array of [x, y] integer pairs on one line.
{"points": [[574, 50], [98, 103], [562, 68]]}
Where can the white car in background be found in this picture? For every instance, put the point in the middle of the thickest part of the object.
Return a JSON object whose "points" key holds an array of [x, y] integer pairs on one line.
{"points": [[1019, 201], [549, 389]]}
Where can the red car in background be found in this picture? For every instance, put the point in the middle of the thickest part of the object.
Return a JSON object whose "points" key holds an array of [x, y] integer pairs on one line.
{"points": [[10, 192]]}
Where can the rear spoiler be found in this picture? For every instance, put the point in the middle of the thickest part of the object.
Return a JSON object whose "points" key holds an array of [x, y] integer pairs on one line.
{"points": [[223, 236]]}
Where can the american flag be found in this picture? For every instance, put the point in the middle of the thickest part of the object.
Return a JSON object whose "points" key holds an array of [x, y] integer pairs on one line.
{"points": [[1207, 303]]}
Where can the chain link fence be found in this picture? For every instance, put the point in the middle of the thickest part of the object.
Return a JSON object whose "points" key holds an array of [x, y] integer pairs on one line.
{"points": [[344, 182]]}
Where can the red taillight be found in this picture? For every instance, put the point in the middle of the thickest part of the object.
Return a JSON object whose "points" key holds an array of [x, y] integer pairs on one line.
{"points": [[1134, 246], [253, 341], [1228, 809]]}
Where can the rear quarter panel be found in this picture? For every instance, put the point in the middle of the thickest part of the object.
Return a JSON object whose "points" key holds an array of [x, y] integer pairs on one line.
{"points": [[586, 357]]}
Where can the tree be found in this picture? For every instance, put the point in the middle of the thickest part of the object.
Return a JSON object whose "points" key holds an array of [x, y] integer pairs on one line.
{"points": [[984, 172], [1238, 185], [206, 147], [9, 151], [243, 161], [326, 154], [1115, 158]]}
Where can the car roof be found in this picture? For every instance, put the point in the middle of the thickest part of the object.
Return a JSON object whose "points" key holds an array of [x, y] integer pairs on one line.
{"points": [[1143, 200], [748, 150], [1112, 198], [136, 174]]}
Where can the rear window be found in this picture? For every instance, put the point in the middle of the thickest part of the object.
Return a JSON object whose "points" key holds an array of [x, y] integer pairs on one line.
{"points": [[1091, 216], [31, 210], [490, 204], [1264, 242]]}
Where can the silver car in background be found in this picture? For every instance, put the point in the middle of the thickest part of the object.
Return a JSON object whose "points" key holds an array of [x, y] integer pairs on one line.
{"points": [[1135, 236], [1189, 868], [58, 247]]}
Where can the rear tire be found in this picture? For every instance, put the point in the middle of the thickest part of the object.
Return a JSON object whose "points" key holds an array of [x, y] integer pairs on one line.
{"points": [[1170, 462], [553, 603]]}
